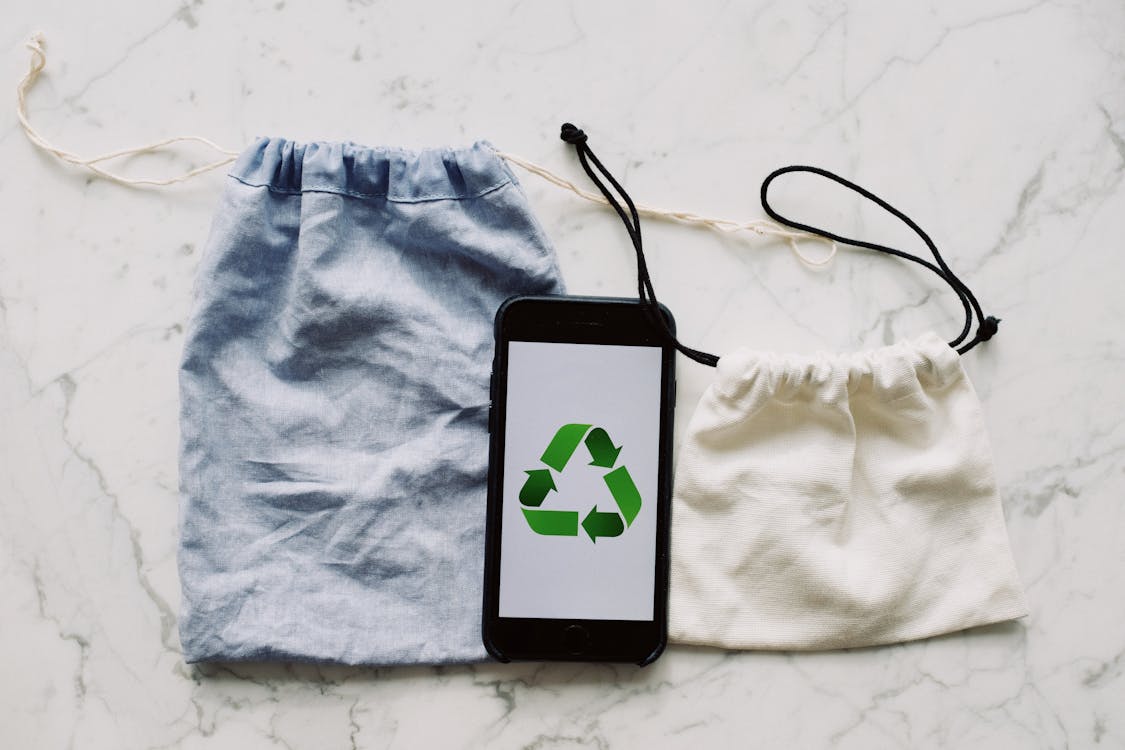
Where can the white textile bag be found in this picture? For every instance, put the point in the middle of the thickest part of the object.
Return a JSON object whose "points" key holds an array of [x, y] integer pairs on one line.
{"points": [[835, 501]]}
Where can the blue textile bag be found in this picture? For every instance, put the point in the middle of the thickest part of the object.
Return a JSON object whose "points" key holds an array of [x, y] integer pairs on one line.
{"points": [[334, 385]]}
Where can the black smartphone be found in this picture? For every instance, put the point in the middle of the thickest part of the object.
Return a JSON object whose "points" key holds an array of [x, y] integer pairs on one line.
{"points": [[576, 563]]}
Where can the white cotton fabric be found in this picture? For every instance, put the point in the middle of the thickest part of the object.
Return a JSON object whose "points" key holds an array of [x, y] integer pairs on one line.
{"points": [[836, 501]]}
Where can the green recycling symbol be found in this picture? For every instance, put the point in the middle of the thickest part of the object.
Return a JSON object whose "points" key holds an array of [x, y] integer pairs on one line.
{"points": [[565, 522]]}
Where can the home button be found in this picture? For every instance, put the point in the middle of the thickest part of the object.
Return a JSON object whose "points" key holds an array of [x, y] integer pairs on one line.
{"points": [[576, 639]]}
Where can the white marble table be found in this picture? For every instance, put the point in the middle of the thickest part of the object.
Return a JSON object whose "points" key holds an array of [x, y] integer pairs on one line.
{"points": [[1001, 129]]}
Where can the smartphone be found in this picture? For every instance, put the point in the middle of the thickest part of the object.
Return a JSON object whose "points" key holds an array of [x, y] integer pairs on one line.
{"points": [[576, 562]]}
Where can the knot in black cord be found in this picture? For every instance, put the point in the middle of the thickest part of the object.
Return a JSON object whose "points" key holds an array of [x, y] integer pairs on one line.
{"points": [[987, 328], [572, 134]]}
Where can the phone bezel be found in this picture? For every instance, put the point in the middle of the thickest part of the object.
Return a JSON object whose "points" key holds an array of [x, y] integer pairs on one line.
{"points": [[580, 320]]}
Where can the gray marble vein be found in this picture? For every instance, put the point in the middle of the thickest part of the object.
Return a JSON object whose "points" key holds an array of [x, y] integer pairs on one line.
{"points": [[999, 126]]}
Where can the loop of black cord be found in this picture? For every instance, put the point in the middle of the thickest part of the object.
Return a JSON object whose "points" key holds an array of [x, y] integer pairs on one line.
{"points": [[986, 325], [632, 221]]}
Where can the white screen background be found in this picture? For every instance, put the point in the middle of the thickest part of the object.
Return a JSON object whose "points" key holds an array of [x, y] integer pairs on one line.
{"points": [[613, 387]]}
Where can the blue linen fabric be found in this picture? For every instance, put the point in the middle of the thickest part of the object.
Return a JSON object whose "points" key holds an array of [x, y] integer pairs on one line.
{"points": [[335, 398]]}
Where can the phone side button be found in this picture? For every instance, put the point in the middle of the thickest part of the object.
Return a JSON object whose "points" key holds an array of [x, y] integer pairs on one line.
{"points": [[576, 639], [490, 418]]}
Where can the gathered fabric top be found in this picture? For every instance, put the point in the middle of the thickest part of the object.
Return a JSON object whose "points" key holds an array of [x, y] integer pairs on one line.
{"points": [[393, 174]]}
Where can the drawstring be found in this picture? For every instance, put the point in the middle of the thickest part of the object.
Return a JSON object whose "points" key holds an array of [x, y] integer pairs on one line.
{"points": [[986, 325], [632, 221], [37, 45], [762, 227]]}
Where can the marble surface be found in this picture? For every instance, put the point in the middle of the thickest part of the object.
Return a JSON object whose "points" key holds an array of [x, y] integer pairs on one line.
{"points": [[999, 126]]}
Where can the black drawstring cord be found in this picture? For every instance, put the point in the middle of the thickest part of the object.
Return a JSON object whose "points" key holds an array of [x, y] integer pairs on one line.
{"points": [[632, 221], [986, 325]]}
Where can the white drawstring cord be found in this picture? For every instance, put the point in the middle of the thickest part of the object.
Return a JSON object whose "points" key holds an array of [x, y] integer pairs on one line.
{"points": [[728, 226], [39, 60]]}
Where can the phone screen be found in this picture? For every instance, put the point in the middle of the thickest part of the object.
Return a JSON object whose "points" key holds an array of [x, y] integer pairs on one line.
{"points": [[581, 457]]}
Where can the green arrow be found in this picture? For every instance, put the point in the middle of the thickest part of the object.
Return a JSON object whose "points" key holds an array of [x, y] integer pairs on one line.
{"points": [[538, 484], [601, 448], [563, 444], [552, 522], [624, 492], [602, 524]]}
